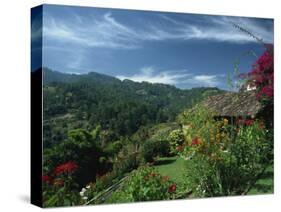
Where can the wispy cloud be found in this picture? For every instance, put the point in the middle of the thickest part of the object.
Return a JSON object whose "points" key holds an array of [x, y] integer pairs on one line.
{"points": [[180, 78], [203, 81], [221, 29], [149, 74], [107, 31]]}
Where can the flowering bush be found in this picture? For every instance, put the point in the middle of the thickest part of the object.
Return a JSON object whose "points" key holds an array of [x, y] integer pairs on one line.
{"points": [[145, 184], [222, 159], [176, 139], [59, 187], [261, 76], [202, 134], [66, 168]]}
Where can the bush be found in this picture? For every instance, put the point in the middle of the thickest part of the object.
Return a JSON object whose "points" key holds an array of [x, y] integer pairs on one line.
{"points": [[145, 184], [221, 163], [59, 187], [153, 148], [82, 147], [126, 164], [176, 139]]}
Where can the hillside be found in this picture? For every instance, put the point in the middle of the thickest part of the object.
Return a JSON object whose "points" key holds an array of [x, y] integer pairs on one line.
{"points": [[119, 107]]}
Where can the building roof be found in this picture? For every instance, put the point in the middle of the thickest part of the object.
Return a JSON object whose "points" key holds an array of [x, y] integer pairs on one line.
{"points": [[234, 104]]}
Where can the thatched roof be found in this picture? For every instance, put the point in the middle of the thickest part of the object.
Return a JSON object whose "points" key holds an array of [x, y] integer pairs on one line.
{"points": [[234, 104]]}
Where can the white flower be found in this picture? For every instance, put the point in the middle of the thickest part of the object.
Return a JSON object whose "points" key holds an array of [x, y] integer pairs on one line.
{"points": [[88, 186], [82, 192], [85, 198]]}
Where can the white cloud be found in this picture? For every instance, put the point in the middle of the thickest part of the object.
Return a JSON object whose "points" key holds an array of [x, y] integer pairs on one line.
{"points": [[221, 29], [149, 74], [181, 78], [207, 80], [107, 31]]}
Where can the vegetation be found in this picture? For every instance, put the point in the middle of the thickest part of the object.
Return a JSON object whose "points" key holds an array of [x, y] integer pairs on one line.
{"points": [[145, 184], [110, 141], [174, 167], [120, 108], [222, 159]]}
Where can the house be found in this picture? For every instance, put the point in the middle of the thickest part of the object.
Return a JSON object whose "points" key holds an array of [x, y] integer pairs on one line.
{"points": [[234, 105]]}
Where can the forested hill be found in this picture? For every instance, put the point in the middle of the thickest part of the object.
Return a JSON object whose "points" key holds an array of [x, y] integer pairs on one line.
{"points": [[119, 107]]}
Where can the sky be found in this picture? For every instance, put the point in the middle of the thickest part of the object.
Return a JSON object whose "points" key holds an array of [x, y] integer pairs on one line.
{"points": [[180, 49]]}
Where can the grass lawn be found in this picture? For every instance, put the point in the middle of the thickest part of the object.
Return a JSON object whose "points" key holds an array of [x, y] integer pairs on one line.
{"points": [[174, 167], [265, 184]]}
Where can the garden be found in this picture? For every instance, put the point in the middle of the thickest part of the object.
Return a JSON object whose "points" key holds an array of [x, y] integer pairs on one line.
{"points": [[200, 154]]}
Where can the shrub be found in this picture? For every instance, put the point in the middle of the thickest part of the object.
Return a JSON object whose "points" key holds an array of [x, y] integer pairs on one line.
{"points": [[145, 184], [220, 163], [202, 133], [59, 187], [153, 148], [82, 147], [176, 139]]}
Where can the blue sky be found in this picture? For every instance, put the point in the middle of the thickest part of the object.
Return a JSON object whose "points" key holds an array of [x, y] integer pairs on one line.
{"points": [[185, 50]]}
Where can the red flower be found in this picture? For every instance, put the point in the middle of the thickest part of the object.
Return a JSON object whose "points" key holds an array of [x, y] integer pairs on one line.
{"points": [[47, 179], [172, 188], [195, 141], [68, 168], [248, 122]]}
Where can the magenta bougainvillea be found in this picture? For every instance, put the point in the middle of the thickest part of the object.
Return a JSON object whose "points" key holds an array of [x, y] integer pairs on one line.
{"points": [[262, 74]]}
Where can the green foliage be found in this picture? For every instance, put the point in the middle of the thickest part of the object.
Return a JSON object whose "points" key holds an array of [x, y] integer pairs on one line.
{"points": [[221, 159], [81, 147], [57, 197], [154, 148], [119, 107], [145, 184], [126, 164], [113, 148], [120, 197], [176, 138], [59, 186]]}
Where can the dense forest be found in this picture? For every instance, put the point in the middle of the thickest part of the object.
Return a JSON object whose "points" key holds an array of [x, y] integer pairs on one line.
{"points": [[118, 107]]}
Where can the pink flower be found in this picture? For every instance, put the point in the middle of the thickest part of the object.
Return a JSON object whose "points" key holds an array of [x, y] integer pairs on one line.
{"points": [[267, 90]]}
